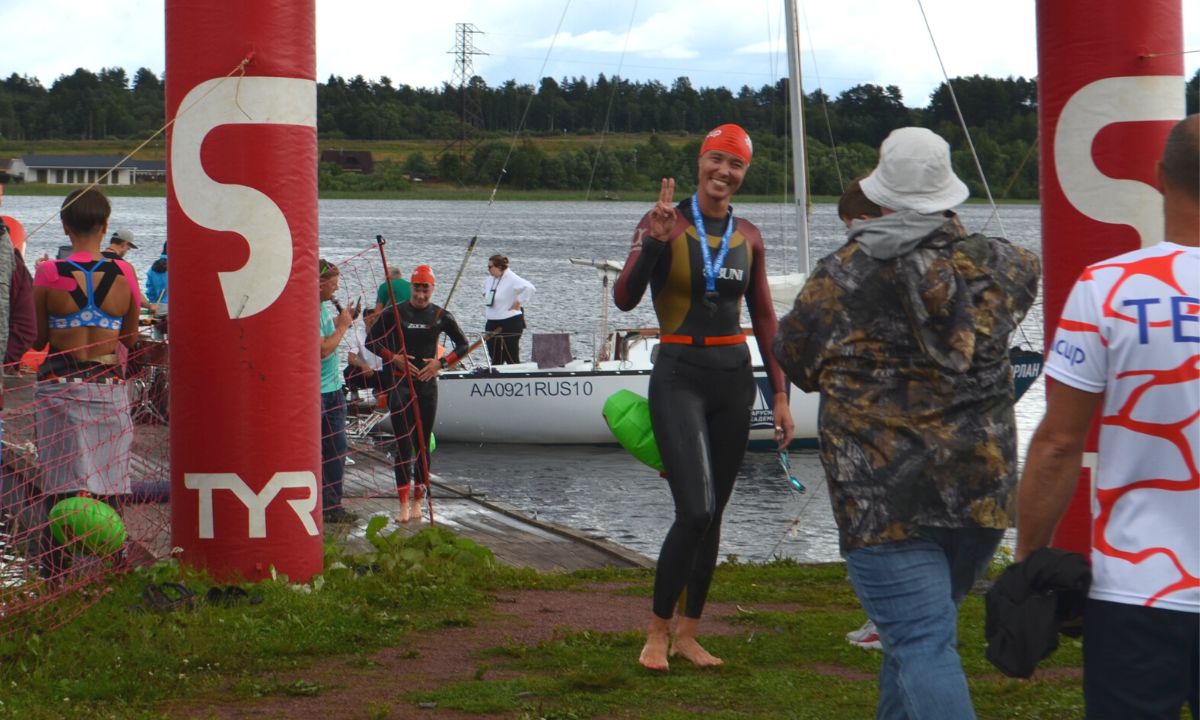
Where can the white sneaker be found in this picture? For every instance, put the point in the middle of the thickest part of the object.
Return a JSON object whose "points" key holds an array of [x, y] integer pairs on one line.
{"points": [[869, 642], [854, 636]]}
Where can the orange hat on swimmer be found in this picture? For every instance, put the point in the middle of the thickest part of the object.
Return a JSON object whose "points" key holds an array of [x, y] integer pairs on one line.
{"points": [[729, 138], [422, 275]]}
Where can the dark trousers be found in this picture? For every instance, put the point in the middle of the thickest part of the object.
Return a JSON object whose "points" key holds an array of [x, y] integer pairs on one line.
{"points": [[359, 379], [506, 347], [1139, 662], [333, 447]]}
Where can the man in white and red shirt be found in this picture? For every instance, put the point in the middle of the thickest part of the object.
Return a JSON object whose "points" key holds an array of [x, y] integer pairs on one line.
{"points": [[1129, 338]]}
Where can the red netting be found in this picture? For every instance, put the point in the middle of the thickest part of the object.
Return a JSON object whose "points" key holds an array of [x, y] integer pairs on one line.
{"points": [[85, 487]]}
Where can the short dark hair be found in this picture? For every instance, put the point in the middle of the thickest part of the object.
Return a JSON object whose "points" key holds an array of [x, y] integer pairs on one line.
{"points": [[853, 204], [499, 261], [1181, 155], [85, 210]]}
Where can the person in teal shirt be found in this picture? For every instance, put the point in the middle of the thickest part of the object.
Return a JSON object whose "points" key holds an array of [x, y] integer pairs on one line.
{"points": [[333, 399], [401, 288]]}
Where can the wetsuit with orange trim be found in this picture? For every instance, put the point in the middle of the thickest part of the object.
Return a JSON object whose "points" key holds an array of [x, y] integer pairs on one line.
{"points": [[702, 385], [422, 329]]}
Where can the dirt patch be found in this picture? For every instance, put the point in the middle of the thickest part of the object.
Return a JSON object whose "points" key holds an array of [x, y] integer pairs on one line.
{"points": [[842, 673], [352, 688]]}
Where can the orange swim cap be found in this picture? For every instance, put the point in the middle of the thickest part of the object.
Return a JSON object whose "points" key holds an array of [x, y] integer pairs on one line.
{"points": [[422, 274], [729, 138]]}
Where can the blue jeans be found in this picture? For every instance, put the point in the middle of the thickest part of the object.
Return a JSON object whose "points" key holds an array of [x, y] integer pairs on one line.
{"points": [[333, 447], [911, 589]]}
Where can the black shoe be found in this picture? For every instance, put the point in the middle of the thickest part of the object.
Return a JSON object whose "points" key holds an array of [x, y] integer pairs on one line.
{"points": [[339, 515]]}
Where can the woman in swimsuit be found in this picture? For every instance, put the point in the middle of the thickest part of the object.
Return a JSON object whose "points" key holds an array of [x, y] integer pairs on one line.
{"points": [[86, 305], [700, 263]]}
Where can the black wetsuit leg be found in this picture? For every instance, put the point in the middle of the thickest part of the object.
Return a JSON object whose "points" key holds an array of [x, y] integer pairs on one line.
{"points": [[701, 417], [404, 426]]}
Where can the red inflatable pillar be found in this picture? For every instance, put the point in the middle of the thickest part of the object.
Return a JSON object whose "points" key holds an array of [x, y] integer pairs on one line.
{"points": [[242, 231], [1110, 85]]}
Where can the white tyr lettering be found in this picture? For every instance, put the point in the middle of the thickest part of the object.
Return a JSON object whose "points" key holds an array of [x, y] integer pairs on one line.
{"points": [[256, 503]]}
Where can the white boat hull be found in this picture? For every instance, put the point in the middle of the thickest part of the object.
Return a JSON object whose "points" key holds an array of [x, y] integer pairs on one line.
{"points": [[524, 404]]}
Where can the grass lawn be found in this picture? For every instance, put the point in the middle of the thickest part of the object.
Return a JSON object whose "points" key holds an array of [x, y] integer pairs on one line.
{"points": [[341, 645]]}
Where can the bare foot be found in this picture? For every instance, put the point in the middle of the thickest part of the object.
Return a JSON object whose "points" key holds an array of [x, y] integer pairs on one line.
{"points": [[403, 517], [415, 511], [654, 652], [690, 650]]}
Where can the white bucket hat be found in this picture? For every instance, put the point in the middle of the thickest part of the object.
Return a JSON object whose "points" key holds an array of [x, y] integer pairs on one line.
{"points": [[914, 173]]}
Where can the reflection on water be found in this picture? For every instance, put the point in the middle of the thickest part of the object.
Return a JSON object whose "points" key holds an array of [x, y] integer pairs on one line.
{"points": [[599, 490]]}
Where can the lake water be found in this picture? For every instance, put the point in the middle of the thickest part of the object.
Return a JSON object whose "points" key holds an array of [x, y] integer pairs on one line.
{"points": [[603, 491]]}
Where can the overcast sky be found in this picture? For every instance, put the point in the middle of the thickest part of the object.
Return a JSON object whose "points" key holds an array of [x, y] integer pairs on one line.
{"points": [[714, 43]]}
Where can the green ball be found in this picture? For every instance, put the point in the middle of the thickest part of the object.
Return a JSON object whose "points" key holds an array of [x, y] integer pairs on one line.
{"points": [[87, 524]]}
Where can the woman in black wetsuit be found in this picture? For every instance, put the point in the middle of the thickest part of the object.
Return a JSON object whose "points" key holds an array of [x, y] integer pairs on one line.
{"points": [[700, 262]]}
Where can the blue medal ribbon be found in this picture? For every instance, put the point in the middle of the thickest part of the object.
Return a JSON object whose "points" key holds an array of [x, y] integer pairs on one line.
{"points": [[712, 266]]}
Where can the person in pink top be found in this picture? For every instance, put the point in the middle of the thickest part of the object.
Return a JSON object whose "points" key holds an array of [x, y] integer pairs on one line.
{"points": [[1128, 344]]}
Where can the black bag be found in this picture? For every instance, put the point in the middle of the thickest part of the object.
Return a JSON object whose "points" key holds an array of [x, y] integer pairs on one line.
{"points": [[1029, 604]]}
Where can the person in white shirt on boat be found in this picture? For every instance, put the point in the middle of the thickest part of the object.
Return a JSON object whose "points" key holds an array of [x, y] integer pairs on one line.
{"points": [[1128, 345], [505, 295]]}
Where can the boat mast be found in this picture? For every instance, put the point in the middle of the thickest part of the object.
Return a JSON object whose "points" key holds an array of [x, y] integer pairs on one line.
{"points": [[796, 105]]}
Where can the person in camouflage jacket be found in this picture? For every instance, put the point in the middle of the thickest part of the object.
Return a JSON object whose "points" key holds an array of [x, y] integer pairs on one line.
{"points": [[905, 332]]}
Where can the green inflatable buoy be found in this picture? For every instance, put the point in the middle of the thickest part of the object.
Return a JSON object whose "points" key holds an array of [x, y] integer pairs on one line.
{"points": [[628, 417], [87, 524]]}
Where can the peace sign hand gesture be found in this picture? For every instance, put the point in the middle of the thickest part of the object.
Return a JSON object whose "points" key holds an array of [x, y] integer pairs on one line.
{"points": [[662, 216]]}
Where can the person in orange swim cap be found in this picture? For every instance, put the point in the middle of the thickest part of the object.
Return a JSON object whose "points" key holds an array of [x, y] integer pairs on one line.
{"points": [[410, 368], [729, 138], [701, 264]]}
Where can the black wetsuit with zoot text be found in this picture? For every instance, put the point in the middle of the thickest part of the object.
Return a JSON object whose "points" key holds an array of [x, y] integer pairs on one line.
{"points": [[702, 384], [422, 330]]}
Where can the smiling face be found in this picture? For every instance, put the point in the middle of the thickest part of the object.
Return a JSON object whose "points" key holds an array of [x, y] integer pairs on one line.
{"points": [[720, 175], [422, 293]]}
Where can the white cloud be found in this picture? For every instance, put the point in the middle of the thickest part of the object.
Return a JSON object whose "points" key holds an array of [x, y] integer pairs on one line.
{"points": [[713, 43]]}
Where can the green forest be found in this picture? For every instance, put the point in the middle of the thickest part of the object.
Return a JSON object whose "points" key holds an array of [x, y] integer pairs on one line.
{"points": [[626, 134]]}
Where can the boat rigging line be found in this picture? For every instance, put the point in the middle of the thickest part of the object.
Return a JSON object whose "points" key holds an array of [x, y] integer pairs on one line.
{"points": [[962, 121], [504, 166], [837, 166], [612, 96]]}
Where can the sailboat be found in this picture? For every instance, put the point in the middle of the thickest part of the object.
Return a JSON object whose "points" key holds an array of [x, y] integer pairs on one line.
{"points": [[560, 400]]}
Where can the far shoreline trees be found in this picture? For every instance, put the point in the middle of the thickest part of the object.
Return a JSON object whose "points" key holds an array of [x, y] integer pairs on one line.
{"points": [[843, 132]]}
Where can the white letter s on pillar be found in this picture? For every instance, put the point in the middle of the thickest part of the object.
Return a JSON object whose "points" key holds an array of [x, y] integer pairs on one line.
{"points": [[237, 208], [1091, 109]]}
